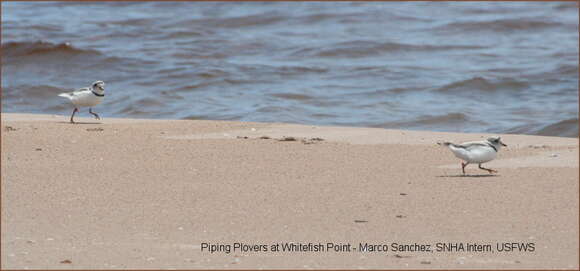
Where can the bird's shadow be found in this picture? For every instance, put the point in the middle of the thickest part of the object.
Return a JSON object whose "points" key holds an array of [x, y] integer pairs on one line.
{"points": [[77, 122], [468, 175]]}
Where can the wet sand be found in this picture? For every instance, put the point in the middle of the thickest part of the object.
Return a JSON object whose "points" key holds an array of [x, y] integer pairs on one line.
{"points": [[123, 193]]}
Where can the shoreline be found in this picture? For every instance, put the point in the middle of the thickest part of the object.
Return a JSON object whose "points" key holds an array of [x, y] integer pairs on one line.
{"points": [[139, 193], [90, 120]]}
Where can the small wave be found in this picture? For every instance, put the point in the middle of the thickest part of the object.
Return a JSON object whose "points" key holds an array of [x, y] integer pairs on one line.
{"points": [[234, 81], [272, 109], [34, 98], [61, 107], [170, 95], [568, 70], [301, 70], [495, 10], [211, 74], [482, 84], [265, 19], [503, 25], [253, 20], [46, 27], [371, 68], [362, 48], [566, 128], [292, 96], [197, 117], [171, 70], [200, 55], [320, 17], [134, 22], [559, 73], [194, 87], [133, 110], [572, 6], [323, 116], [434, 122], [182, 35], [275, 70], [149, 102], [19, 49], [29, 92], [441, 119], [382, 93], [428, 121]]}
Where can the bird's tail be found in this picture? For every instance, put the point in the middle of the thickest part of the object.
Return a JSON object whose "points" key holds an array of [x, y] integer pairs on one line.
{"points": [[65, 95]]}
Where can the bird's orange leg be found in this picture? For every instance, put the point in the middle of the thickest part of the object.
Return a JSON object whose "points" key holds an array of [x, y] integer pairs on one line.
{"points": [[488, 169], [73, 115], [463, 165]]}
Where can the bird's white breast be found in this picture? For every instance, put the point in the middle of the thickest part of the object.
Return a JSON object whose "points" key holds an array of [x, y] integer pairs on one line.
{"points": [[86, 99], [474, 155]]}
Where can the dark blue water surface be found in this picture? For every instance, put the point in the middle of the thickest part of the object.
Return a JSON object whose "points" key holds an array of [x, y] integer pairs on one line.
{"points": [[507, 67]]}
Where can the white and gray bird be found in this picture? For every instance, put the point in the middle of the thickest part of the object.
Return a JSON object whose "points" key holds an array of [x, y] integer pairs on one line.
{"points": [[476, 152], [86, 97]]}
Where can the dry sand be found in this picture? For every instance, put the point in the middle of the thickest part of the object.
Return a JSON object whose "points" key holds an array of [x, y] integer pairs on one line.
{"points": [[146, 193]]}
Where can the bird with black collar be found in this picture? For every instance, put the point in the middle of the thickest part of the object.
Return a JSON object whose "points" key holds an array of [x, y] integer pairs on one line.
{"points": [[476, 152], [86, 97]]}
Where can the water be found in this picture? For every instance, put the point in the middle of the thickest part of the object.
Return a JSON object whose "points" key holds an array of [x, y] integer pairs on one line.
{"points": [[496, 67]]}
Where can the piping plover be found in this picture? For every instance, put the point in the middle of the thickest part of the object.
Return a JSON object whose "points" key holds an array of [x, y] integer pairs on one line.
{"points": [[89, 96], [476, 152]]}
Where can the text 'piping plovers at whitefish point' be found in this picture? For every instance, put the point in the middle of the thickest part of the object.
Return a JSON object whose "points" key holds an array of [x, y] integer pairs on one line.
{"points": [[86, 97], [476, 152]]}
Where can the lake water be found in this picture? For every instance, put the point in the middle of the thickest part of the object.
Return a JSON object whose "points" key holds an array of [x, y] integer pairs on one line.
{"points": [[494, 67]]}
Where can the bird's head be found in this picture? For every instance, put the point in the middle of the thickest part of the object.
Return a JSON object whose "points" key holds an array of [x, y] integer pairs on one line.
{"points": [[496, 141], [98, 86]]}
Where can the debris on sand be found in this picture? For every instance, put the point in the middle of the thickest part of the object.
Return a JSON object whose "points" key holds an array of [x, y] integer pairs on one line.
{"points": [[401, 256], [95, 129], [538, 146], [291, 139], [66, 261], [312, 140], [9, 129]]}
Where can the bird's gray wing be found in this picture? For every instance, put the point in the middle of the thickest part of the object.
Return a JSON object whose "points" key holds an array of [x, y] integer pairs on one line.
{"points": [[78, 91], [472, 145]]}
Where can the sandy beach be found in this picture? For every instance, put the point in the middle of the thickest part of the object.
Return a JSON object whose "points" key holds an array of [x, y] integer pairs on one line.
{"points": [[129, 193]]}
